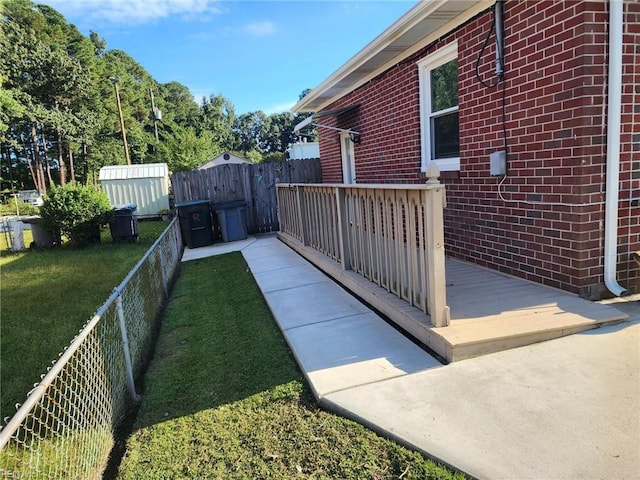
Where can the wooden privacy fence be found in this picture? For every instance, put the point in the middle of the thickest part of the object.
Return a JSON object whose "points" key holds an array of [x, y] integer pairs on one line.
{"points": [[254, 184], [393, 235]]}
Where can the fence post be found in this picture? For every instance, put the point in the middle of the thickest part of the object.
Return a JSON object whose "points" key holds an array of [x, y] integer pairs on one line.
{"points": [[434, 233], [343, 228], [163, 275], [125, 346], [300, 199]]}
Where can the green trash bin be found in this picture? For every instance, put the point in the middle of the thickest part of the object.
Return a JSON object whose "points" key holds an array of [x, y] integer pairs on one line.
{"points": [[232, 218], [195, 223]]}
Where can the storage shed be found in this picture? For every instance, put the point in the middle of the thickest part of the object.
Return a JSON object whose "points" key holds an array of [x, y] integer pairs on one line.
{"points": [[146, 185]]}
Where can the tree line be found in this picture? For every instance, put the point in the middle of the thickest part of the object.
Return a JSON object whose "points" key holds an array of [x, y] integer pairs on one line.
{"points": [[60, 120]]}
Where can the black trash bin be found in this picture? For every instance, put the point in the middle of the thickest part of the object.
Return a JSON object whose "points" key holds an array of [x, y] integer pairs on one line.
{"points": [[195, 223], [124, 224], [232, 218]]}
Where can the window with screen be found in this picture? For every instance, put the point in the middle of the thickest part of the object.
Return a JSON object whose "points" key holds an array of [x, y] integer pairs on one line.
{"points": [[439, 109]]}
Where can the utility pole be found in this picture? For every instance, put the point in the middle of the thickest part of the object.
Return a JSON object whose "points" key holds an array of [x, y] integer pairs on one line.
{"points": [[157, 114], [115, 82]]}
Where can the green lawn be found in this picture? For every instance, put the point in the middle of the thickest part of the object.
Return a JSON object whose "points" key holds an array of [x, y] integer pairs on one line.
{"points": [[224, 399], [47, 295]]}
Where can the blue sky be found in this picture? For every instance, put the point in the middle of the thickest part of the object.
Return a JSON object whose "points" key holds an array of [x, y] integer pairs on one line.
{"points": [[258, 54]]}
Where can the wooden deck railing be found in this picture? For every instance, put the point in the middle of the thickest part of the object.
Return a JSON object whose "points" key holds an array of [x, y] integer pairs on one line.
{"points": [[393, 235]]}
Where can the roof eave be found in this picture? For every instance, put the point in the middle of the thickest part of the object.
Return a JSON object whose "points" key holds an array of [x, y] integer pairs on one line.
{"points": [[369, 62]]}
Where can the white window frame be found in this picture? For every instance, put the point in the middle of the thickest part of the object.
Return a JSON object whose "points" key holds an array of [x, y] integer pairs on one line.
{"points": [[440, 57]]}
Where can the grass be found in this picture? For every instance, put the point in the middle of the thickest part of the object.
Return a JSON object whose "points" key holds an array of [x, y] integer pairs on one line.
{"points": [[224, 399], [62, 456], [48, 295]]}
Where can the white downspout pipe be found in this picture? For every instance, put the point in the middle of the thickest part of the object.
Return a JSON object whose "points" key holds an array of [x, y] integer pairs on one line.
{"points": [[613, 148]]}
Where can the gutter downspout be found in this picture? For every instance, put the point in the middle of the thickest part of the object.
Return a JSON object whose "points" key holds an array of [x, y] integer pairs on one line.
{"points": [[613, 148]]}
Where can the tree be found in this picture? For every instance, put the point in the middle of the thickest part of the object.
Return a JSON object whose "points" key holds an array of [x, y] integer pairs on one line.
{"points": [[281, 134], [99, 44], [58, 114], [218, 118], [184, 150], [10, 109], [134, 84], [266, 134], [250, 131], [253, 155], [255, 131], [273, 157], [40, 57], [178, 106]]}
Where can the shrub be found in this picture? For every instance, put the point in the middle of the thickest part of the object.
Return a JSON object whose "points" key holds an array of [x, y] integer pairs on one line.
{"points": [[23, 207], [273, 157], [76, 211]]}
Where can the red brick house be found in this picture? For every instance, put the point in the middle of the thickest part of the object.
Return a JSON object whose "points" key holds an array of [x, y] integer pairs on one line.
{"points": [[563, 102]]}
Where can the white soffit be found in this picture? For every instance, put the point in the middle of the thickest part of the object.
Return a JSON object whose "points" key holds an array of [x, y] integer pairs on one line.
{"points": [[422, 25]]}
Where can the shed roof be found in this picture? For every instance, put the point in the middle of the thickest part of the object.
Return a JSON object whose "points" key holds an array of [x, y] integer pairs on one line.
{"points": [[127, 172], [422, 25]]}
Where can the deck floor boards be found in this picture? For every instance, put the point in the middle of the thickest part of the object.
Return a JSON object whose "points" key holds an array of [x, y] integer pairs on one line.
{"points": [[498, 295], [502, 312]]}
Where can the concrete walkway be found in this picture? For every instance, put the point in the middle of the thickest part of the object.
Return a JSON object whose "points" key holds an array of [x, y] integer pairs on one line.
{"points": [[562, 409]]}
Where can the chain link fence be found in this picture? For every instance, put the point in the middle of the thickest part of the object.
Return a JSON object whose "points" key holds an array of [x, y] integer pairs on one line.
{"points": [[65, 429]]}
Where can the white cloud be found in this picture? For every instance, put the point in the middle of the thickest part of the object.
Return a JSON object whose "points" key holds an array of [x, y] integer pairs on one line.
{"points": [[255, 29], [199, 93], [135, 11], [260, 29], [279, 108]]}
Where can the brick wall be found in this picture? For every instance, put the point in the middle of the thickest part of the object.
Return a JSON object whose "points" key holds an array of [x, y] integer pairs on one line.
{"points": [[548, 227]]}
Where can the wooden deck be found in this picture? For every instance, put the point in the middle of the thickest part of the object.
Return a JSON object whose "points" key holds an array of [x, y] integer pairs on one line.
{"points": [[490, 311]]}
